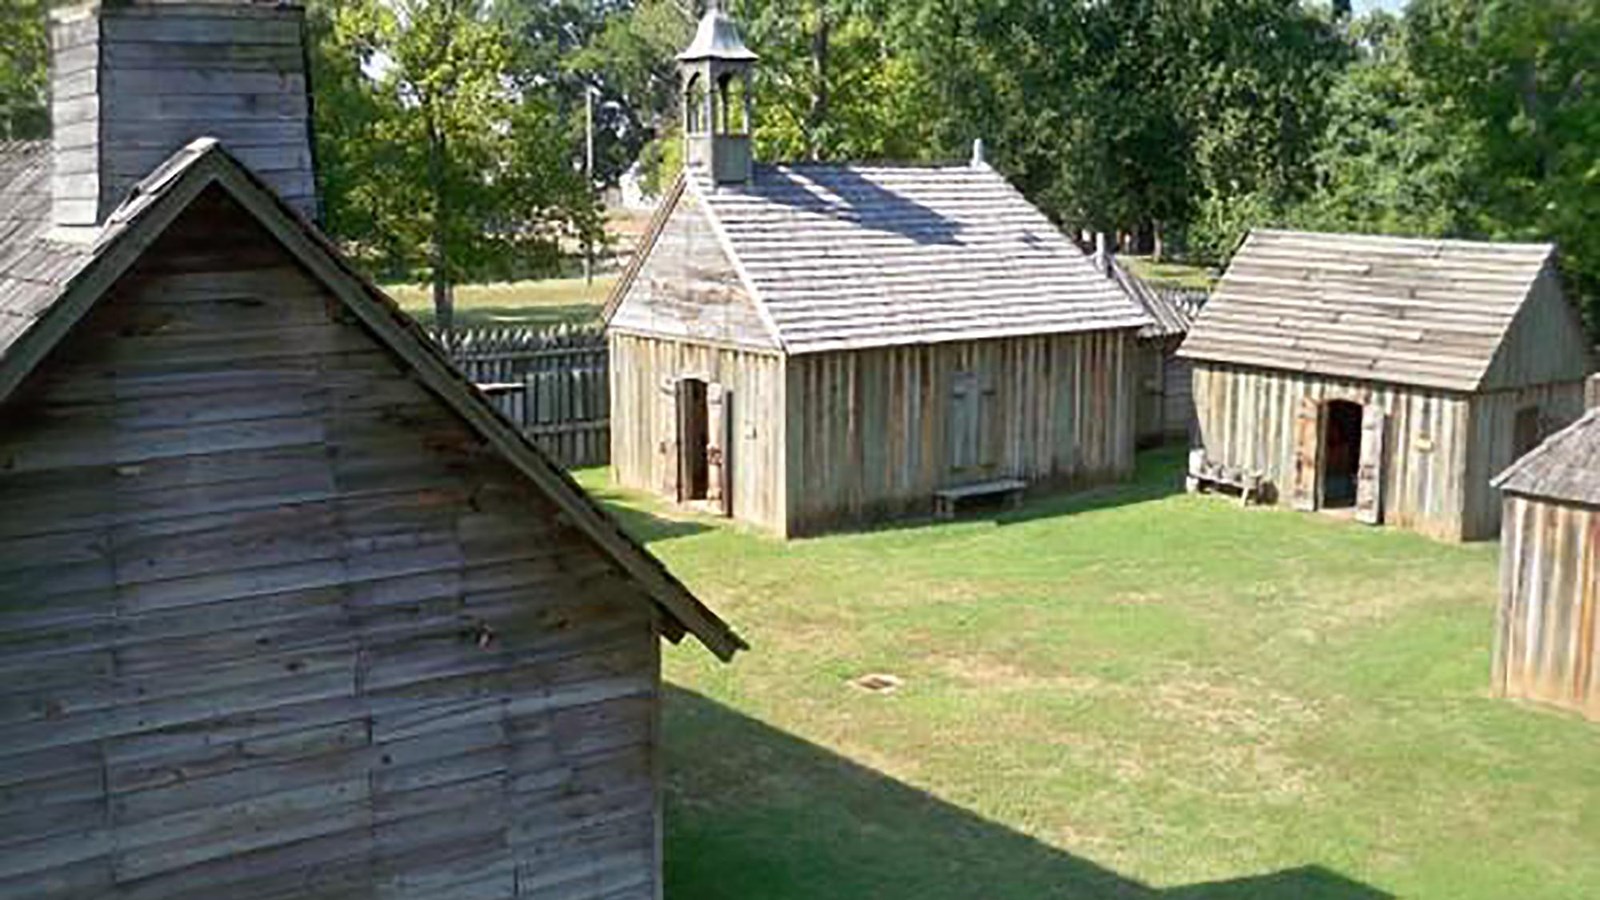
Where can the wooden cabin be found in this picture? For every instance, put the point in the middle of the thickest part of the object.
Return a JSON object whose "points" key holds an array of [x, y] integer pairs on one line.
{"points": [[286, 608], [811, 346], [1164, 409], [1547, 633], [1387, 377]]}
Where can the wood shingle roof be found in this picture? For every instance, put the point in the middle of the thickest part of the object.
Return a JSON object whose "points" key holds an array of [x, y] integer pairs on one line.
{"points": [[32, 267], [853, 256], [1424, 312], [1564, 468]]}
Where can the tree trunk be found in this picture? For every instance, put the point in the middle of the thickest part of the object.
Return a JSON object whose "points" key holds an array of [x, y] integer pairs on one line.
{"points": [[443, 291], [817, 115]]}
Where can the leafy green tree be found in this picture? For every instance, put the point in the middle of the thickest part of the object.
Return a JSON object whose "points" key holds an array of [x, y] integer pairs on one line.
{"points": [[434, 157], [24, 78], [1389, 160], [1519, 79]]}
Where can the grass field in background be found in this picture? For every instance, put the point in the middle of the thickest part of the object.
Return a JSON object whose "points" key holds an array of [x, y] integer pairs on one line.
{"points": [[1180, 274], [1133, 693], [538, 303]]}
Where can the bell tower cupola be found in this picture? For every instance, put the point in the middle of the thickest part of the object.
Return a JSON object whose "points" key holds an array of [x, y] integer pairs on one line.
{"points": [[718, 106]]}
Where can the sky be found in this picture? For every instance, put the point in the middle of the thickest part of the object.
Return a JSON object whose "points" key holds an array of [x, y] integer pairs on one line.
{"points": [[1362, 6]]}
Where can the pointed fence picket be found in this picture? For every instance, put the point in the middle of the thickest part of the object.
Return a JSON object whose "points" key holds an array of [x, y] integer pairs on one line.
{"points": [[553, 383]]}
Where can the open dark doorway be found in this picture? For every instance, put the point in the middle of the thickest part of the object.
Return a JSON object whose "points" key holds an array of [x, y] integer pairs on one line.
{"points": [[1341, 454], [693, 429]]}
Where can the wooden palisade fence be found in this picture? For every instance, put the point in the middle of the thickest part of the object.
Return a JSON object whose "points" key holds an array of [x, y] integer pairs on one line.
{"points": [[552, 382]]}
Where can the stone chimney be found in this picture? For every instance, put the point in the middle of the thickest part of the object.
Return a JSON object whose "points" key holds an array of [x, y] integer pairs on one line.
{"points": [[134, 81]]}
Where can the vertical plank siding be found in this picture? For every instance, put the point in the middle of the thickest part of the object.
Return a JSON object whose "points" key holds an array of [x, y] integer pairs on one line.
{"points": [[868, 430], [1246, 418], [1166, 392], [274, 623], [553, 383], [1547, 641], [640, 422]]}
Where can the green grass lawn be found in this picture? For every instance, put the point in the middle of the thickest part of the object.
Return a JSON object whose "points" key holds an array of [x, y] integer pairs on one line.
{"points": [[1133, 693], [1179, 274], [539, 303]]}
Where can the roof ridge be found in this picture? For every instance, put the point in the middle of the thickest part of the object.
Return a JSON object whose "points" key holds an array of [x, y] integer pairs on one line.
{"points": [[201, 165]]}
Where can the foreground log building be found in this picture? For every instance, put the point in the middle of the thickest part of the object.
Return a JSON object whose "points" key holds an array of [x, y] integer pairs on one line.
{"points": [[1390, 376], [817, 345], [1547, 636], [286, 608]]}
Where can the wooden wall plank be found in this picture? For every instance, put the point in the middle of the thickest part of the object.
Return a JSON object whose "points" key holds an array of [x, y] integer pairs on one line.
{"points": [[281, 613]]}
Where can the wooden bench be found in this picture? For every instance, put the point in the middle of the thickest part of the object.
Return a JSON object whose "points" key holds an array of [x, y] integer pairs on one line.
{"points": [[946, 499], [1205, 475]]}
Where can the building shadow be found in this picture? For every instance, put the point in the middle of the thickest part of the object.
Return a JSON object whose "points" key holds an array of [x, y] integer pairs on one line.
{"points": [[848, 197], [1158, 474], [641, 524], [754, 812]]}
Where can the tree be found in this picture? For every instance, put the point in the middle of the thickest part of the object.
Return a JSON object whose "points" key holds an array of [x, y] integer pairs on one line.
{"points": [[437, 157], [1519, 78], [1389, 159], [24, 78]]}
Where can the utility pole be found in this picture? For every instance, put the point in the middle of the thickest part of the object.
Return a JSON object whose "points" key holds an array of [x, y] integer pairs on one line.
{"points": [[588, 174]]}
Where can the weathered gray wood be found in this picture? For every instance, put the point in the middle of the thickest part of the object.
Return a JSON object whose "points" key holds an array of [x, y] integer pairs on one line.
{"points": [[1441, 448], [1374, 455], [1432, 314], [1547, 634], [284, 615]]}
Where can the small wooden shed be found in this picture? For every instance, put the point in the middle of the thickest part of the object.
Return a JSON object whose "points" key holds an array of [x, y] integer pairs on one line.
{"points": [[817, 345], [1165, 406], [1547, 633], [286, 608], [1388, 376]]}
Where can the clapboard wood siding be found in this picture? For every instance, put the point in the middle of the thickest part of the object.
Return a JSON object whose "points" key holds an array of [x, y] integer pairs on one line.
{"points": [[870, 432], [275, 622], [135, 82], [641, 366], [1547, 636], [1246, 418]]}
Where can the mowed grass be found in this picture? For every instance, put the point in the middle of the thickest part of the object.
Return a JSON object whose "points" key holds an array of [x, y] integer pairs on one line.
{"points": [[1132, 693], [537, 303], [1180, 274]]}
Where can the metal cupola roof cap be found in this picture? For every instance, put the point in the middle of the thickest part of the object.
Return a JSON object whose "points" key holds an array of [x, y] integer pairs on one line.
{"points": [[717, 38]]}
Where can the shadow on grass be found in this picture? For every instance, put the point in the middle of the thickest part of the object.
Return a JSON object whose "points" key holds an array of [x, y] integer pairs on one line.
{"points": [[753, 812], [1158, 473], [641, 524]]}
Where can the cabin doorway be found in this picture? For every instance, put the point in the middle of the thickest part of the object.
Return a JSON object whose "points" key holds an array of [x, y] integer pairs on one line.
{"points": [[1341, 454], [693, 428], [696, 454]]}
